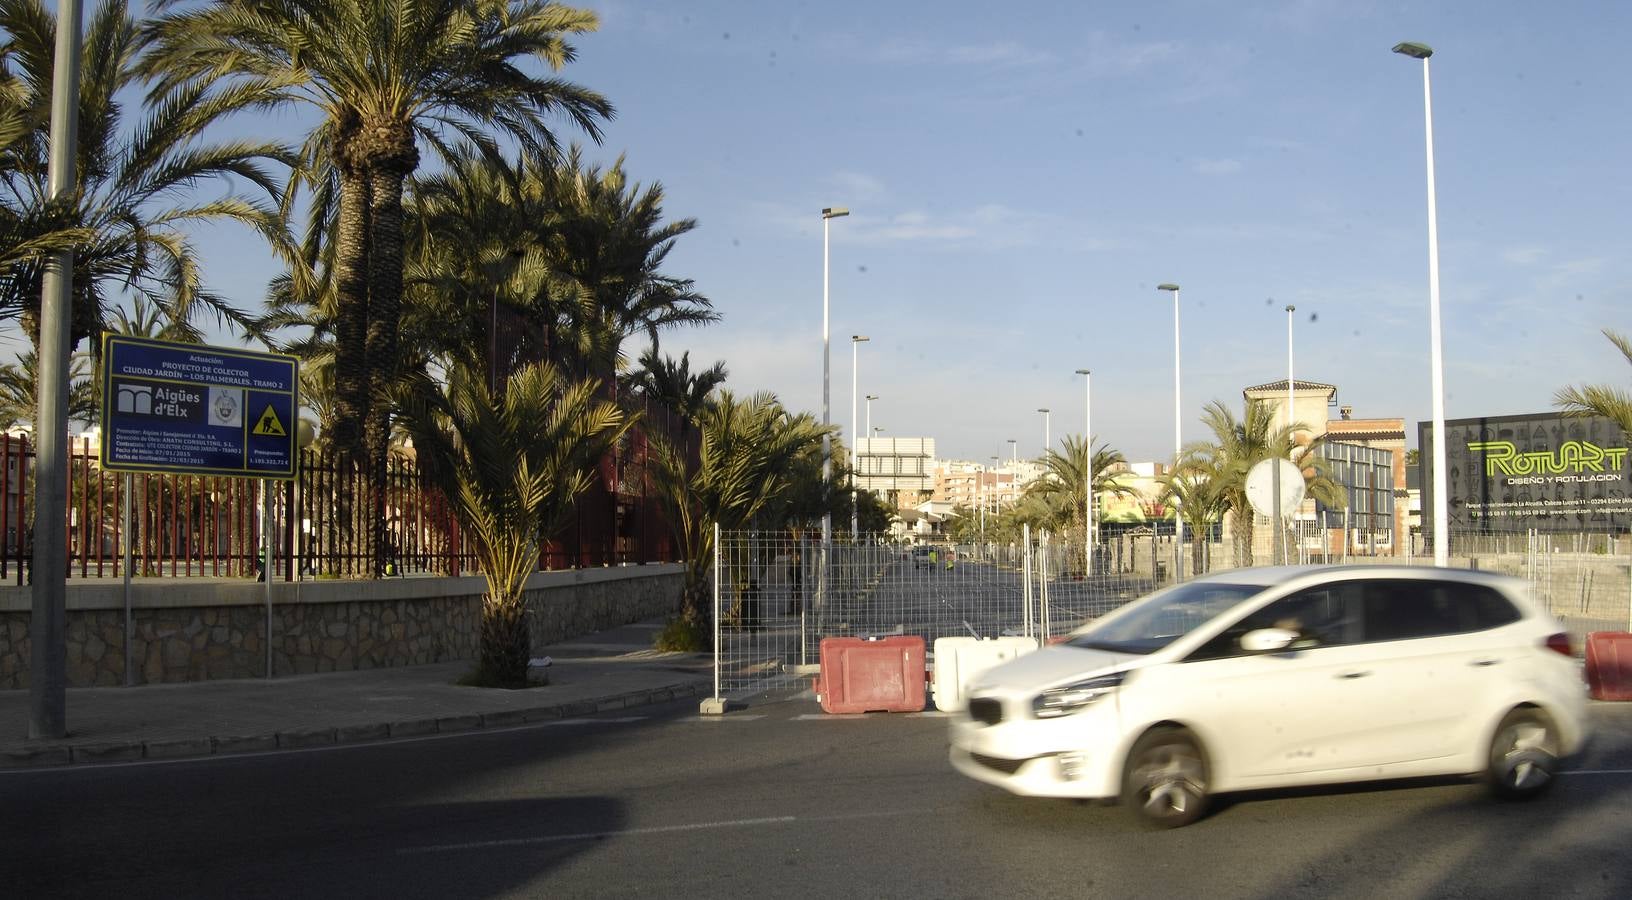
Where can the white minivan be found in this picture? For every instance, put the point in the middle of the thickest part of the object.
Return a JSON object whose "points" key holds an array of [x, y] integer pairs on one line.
{"points": [[1276, 677]]}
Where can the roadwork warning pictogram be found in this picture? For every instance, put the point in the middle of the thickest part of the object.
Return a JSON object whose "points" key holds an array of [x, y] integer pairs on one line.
{"points": [[268, 424]]}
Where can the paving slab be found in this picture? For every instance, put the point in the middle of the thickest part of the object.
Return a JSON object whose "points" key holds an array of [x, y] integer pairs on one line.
{"points": [[611, 670]]}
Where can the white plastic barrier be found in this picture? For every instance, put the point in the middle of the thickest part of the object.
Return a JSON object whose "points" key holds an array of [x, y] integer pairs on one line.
{"points": [[958, 660]]}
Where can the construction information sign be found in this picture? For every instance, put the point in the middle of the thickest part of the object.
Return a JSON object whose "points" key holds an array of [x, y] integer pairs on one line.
{"points": [[191, 408]]}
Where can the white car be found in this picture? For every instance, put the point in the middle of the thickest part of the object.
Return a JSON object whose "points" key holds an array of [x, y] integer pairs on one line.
{"points": [[1277, 677]]}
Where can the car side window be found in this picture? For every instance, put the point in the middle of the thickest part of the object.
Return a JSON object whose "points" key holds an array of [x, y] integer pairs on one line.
{"points": [[1322, 617], [1405, 609]]}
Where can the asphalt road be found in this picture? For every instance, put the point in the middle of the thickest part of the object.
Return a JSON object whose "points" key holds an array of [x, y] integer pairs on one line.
{"points": [[774, 801]]}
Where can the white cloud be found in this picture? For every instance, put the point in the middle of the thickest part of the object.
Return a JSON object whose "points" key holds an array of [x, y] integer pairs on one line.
{"points": [[1524, 256], [995, 53], [1217, 166], [856, 186]]}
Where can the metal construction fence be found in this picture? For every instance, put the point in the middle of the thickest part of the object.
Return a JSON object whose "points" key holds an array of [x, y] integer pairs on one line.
{"points": [[773, 606]]}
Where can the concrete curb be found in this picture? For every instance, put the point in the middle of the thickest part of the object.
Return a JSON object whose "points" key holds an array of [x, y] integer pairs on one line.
{"points": [[91, 753]]}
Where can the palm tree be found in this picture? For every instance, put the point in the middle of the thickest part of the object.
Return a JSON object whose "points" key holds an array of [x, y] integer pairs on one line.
{"points": [[124, 221], [19, 386], [1606, 400], [384, 75], [748, 454], [671, 382], [607, 253], [1197, 483], [1060, 489], [513, 463], [1240, 443]]}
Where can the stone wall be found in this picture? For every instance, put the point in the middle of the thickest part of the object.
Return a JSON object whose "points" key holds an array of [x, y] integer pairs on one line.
{"points": [[195, 630]]}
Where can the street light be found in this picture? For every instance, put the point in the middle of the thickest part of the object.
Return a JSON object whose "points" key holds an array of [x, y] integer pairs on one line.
{"points": [[1178, 442], [856, 340], [1088, 471], [828, 214], [870, 399], [1280, 538], [1014, 450], [1048, 437], [997, 499], [1437, 369]]}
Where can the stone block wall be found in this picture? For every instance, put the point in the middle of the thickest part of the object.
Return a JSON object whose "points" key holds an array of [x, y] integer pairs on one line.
{"points": [[198, 631]]}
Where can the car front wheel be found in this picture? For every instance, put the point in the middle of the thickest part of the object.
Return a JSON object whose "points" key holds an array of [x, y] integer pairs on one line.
{"points": [[1523, 755], [1165, 782]]}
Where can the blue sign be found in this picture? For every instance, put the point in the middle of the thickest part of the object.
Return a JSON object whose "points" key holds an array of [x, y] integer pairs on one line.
{"points": [[169, 407]]}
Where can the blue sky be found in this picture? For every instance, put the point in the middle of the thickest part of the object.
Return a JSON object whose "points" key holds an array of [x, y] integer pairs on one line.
{"points": [[1021, 177]]}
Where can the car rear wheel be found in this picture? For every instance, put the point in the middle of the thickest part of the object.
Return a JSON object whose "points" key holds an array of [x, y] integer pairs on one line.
{"points": [[1165, 781], [1523, 755]]}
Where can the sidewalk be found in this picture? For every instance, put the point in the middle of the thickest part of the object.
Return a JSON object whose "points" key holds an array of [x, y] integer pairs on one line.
{"points": [[610, 670]]}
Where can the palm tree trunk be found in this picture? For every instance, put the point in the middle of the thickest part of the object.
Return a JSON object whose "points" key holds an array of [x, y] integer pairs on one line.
{"points": [[351, 381], [390, 150], [506, 644]]}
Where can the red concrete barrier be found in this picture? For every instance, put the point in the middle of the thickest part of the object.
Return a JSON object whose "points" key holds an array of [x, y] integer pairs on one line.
{"points": [[884, 675], [1609, 665]]}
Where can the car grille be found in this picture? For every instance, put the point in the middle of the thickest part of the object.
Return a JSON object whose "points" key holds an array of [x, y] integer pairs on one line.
{"points": [[986, 710], [1006, 766]]}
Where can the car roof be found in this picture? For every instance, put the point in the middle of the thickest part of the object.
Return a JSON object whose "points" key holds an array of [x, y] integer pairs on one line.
{"points": [[1274, 575]]}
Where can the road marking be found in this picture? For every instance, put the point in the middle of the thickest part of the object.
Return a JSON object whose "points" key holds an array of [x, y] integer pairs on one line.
{"points": [[661, 829], [728, 716]]}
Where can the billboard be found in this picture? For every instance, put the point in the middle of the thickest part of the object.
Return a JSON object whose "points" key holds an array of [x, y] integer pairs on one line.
{"points": [[1546, 471], [191, 408]]}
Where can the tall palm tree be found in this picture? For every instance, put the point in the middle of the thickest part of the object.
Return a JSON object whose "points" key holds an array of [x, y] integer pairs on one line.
{"points": [[1607, 400], [1238, 444], [512, 463], [384, 76], [125, 222]]}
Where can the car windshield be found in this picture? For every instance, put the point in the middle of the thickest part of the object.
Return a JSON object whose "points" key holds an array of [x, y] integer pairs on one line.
{"points": [[1163, 618]]}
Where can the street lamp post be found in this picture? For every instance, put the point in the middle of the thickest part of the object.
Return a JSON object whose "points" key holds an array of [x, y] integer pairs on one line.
{"points": [[1437, 370], [997, 496], [1280, 536], [1178, 442], [1088, 472], [1014, 450], [870, 398], [1048, 436], [828, 215], [856, 340]]}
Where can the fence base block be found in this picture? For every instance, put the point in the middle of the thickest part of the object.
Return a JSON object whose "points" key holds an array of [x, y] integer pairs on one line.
{"points": [[713, 706]]}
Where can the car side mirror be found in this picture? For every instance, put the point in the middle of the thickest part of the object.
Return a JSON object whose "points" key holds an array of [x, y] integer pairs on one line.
{"points": [[1268, 640]]}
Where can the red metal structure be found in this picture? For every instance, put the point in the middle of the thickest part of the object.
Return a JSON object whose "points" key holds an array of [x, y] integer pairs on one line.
{"points": [[192, 525]]}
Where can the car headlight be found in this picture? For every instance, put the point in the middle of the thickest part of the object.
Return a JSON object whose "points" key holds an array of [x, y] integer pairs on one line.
{"points": [[1069, 698]]}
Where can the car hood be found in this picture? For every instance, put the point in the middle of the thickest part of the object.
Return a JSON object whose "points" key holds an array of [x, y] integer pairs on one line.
{"points": [[1049, 667]]}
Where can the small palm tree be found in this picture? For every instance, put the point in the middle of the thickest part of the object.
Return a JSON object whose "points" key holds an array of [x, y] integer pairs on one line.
{"points": [[1062, 487], [749, 452], [1238, 444], [1198, 485], [1607, 400], [513, 465], [671, 382], [19, 386]]}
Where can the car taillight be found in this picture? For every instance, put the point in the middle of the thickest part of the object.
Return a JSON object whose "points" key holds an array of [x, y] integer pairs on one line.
{"points": [[1560, 643]]}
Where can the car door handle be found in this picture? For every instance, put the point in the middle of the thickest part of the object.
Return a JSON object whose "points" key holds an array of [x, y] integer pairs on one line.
{"points": [[1357, 674], [1484, 662]]}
